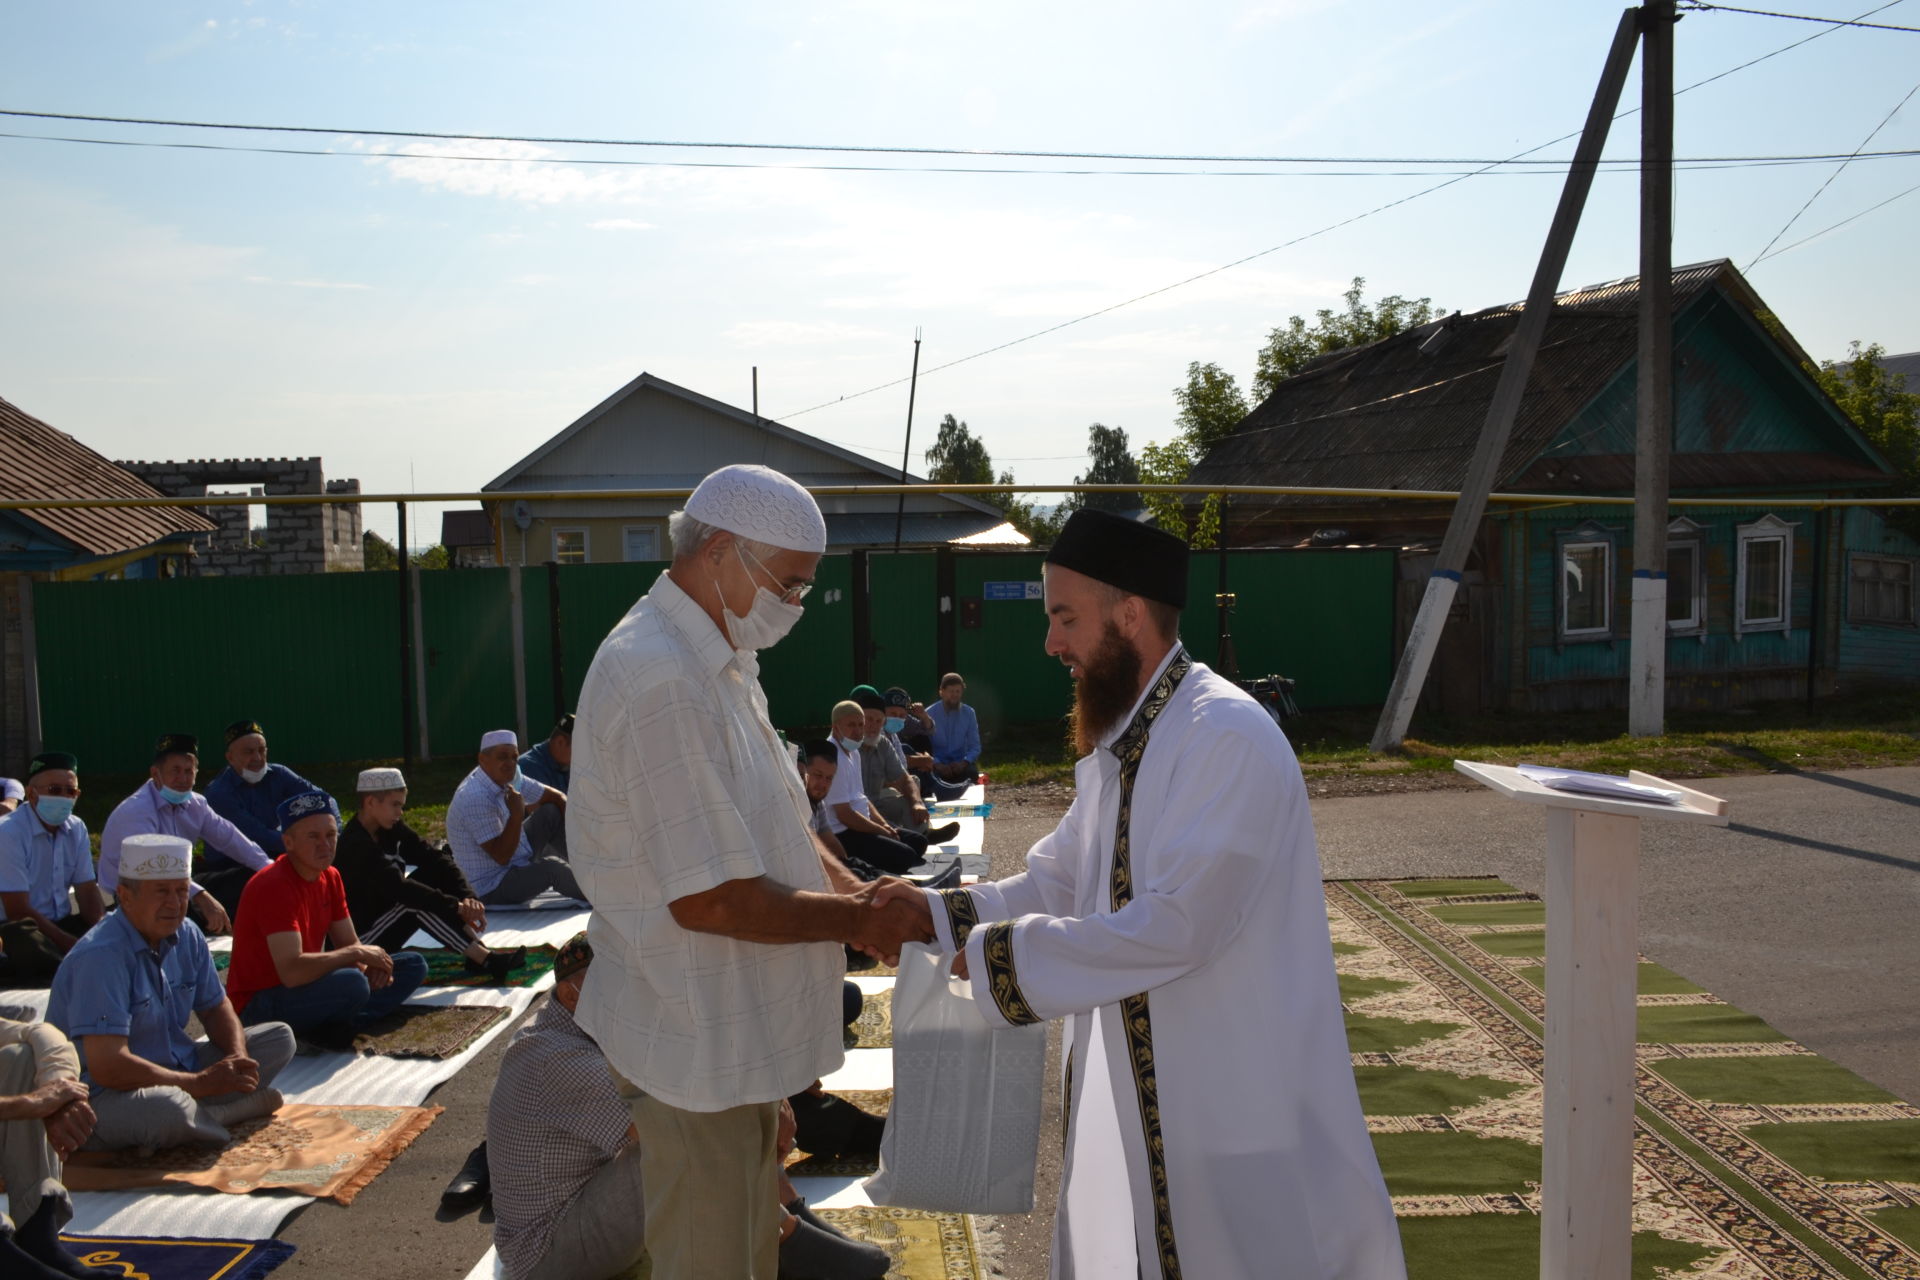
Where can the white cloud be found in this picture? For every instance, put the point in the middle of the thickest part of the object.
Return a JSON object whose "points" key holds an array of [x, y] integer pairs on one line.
{"points": [[310, 284], [791, 333], [534, 279], [620, 224]]}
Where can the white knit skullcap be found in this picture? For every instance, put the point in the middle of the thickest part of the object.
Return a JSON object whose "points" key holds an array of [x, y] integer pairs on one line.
{"points": [[152, 856], [372, 780], [498, 738], [759, 503]]}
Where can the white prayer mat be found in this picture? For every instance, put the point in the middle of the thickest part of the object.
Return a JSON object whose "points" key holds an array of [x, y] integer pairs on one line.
{"points": [[864, 1069], [182, 1212], [520, 929], [373, 1080], [545, 900], [488, 1268]]}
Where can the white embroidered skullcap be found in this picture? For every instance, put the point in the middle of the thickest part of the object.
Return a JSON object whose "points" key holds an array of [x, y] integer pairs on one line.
{"points": [[372, 780], [499, 738], [762, 504], [152, 856]]}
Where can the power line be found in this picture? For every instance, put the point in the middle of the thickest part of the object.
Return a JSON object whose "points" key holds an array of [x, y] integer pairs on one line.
{"points": [[1835, 226], [1546, 169], [1391, 204], [1838, 169], [1699, 6]]}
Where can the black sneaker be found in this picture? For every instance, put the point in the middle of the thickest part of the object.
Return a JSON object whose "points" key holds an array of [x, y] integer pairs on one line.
{"points": [[942, 834]]}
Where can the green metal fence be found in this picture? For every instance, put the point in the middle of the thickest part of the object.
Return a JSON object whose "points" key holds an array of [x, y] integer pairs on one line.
{"points": [[317, 658]]}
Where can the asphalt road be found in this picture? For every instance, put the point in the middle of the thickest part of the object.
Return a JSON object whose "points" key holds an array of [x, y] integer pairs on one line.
{"points": [[1803, 912]]}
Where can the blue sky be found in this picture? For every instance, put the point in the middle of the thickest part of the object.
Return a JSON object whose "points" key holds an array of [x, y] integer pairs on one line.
{"points": [[423, 322]]}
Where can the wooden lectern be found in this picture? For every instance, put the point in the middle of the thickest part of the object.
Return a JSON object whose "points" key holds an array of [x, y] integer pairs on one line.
{"points": [[1593, 852]]}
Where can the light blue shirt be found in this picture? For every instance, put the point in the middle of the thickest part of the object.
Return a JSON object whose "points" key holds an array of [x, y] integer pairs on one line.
{"points": [[956, 734], [116, 983], [43, 864], [147, 811], [477, 813]]}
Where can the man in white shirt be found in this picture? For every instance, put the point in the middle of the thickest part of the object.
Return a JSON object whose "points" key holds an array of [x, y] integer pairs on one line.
{"points": [[717, 918], [507, 832], [1175, 918]]}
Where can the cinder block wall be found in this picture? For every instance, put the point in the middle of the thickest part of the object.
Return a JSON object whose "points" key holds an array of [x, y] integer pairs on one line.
{"points": [[299, 539]]}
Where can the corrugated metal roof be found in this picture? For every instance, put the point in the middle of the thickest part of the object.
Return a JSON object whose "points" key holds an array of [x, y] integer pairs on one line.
{"points": [[47, 463], [1406, 412], [1907, 364], [845, 532]]}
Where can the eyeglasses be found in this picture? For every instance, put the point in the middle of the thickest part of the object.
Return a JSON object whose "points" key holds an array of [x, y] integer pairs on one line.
{"points": [[788, 594]]}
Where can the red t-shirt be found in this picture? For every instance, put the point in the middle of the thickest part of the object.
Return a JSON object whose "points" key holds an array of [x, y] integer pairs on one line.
{"points": [[279, 900]]}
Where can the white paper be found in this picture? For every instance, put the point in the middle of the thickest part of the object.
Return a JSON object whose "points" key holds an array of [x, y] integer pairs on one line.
{"points": [[1583, 783]]}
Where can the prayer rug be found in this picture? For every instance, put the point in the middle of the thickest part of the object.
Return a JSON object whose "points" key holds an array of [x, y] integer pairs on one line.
{"points": [[801, 1164], [1754, 1159], [923, 1246], [447, 968], [185, 1258], [873, 1029], [330, 1151], [428, 1030]]}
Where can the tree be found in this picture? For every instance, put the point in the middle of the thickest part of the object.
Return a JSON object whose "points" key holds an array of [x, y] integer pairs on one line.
{"points": [[1211, 406], [377, 552], [1886, 413], [1110, 461], [960, 457], [1290, 347], [434, 557]]}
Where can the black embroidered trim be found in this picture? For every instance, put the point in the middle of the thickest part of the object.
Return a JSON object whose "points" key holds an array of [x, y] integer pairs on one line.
{"points": [[1135, 1015], [1002, 980], [963, 913]]}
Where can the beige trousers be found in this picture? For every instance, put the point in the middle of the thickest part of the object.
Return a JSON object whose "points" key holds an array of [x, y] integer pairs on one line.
{"points": [[708, 1179], [27, 1161]]}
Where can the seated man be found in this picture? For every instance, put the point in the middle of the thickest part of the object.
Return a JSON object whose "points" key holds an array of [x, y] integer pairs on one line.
{"points": [[508, 832], [955, 740], [550, 763], [46, 866], [892, 791], [124, 996], [12, 793], [44, 1118], [168, 805], [387, 903], [819, 764], [296, 957], [247, 793], [566, 1165], [861, 831], [911, 728]]}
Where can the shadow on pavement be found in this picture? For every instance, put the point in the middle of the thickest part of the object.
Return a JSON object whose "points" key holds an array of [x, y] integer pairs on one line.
{"points": [[1865, 855], [1777, 765]]}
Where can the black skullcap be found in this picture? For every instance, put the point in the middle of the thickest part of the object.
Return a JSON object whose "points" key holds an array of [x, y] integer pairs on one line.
{"points": [[1137, 558], [242, 728], [52, 760], [898, 697], [868, 697], [564, 725], [175, 744], [820, 749]]}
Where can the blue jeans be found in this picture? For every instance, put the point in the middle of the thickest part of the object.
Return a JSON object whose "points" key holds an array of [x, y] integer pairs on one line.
{"points": [[342, 997]]}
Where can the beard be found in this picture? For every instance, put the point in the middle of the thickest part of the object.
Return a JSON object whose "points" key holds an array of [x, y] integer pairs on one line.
{"points": [[1108, 686]]}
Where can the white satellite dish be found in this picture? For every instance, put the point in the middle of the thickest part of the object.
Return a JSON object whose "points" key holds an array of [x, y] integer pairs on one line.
{"points": [[522, 515]]}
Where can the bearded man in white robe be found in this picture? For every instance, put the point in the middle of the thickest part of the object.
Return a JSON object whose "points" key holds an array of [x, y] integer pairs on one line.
{"points": [[1176, 919]]}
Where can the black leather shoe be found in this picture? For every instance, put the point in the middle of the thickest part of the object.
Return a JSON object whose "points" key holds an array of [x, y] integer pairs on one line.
{"points": [[942, 834], [470, 1186]]}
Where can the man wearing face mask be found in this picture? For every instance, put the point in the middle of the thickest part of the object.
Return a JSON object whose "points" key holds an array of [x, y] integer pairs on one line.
{"points": [[44, 854], [508, 833], [169, 806], [718, 919], [247, 793]]}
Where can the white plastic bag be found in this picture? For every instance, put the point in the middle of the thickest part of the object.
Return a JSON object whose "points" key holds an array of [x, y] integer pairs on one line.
{"points": [[964, 1128]]}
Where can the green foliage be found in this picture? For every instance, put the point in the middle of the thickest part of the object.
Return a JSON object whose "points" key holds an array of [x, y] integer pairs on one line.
{"points": [[378, 552], [957, 456], [1290, 347], [1886, 413], [434, 557], [1110, 461], [1211, 406]]}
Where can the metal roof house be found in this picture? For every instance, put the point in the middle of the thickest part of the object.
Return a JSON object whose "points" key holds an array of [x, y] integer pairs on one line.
{"points": [[1762, 599], [652, 434]]}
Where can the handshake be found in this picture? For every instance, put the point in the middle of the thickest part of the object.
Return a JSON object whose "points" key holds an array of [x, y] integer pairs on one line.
{"points": [[889, 913]]}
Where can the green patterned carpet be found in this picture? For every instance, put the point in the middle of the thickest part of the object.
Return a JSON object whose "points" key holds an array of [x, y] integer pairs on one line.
{"points": [[1754, 1158]]}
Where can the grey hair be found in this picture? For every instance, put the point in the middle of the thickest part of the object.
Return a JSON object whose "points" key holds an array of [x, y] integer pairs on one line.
{"points": [[689, 533]]}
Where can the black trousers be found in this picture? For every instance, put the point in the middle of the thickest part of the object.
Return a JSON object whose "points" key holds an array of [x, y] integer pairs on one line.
{"points": [[225, 883], [30, 958], [893, 856]]}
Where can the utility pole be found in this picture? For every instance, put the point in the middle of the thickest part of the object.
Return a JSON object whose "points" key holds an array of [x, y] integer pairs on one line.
{"points": [[1484, 470], [906, 448], [1647, 684]]}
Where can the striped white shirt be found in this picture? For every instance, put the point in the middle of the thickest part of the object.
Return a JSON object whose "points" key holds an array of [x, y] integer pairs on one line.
{"points": [[680, 785]]}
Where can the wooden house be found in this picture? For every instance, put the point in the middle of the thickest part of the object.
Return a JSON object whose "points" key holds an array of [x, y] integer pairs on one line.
{"points": [[1763, 597]]}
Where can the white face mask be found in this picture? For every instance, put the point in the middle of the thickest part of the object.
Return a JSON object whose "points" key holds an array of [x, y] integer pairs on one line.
{"points": [[254, 775], [767, 621]]}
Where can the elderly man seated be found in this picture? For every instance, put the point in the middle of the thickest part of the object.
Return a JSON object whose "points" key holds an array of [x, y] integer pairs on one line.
{"points": [[550, 763], [388, 904], [247, 793], [861, 830], [168, 805], [124, 996], [893, 791], [954, 740], [296, 957], [566, 1165], [44, 1118], [509, 832], [46, 866]]}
